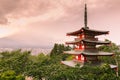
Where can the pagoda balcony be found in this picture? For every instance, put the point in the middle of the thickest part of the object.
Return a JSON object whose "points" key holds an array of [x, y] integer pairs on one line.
{"points": [[78, 49], [91, 50], [77, 39], [93, 39], [81, 61]]}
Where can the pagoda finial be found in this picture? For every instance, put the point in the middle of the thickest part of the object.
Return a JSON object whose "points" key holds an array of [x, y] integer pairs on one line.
{"points": [[85, 16]]}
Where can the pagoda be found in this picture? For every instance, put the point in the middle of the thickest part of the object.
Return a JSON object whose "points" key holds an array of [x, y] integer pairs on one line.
{"points": [[85, 43]]}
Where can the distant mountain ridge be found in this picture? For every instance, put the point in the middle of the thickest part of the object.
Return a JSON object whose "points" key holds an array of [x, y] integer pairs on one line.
{"points": [[34, 51]]}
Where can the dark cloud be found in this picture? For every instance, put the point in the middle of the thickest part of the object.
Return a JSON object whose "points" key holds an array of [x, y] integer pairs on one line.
{"points": [[27, 8], [22, 8]]}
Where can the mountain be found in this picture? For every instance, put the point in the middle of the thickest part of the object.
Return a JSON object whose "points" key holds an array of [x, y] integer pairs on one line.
{"points": [[34, 51]]}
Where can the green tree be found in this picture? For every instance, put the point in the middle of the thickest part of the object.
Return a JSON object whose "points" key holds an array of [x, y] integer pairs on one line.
{"points": [[58, 49], [113, 48], [11, 75], [15, 60], [109, 48]]}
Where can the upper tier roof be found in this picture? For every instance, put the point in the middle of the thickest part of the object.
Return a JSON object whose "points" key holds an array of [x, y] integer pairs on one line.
{"points": [[83, 29], [89, 41]]}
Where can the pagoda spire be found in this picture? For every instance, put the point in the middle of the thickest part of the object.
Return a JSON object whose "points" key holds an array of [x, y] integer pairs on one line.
{"points": [[85, 16]]}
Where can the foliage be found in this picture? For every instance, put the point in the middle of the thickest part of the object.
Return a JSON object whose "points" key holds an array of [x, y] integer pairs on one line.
{"points": [[58, 49], [11, 75], [109, 48], [16, 65], [113, 48], [16, 60]]}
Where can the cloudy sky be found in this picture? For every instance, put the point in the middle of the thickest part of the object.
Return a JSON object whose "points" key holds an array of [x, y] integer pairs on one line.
{"points": [[41, 23]]}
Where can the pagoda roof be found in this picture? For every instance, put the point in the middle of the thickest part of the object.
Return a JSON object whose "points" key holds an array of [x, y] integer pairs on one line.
{"points": [[73, 63], [88, 53], [83, 29], [98, 54], [89, 41]]}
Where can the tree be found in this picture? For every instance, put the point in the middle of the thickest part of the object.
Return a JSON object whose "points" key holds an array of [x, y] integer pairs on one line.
{"points": [[16, 64], [15, 60], [109, 48], [58, 49], [114, 49], [11, 75]]}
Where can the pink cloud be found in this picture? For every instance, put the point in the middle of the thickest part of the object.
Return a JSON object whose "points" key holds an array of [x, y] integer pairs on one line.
{"points": [[39, 22]]}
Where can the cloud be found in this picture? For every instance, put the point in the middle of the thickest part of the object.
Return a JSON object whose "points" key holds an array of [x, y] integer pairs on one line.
{"points": [[48, 9], [3, 20], [21, 8], [43, 22]]}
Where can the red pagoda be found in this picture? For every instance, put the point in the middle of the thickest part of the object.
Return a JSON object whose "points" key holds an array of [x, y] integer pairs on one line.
{"points": [[85, 45]]}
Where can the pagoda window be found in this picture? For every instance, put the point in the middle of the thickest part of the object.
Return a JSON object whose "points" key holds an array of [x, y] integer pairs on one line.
{"points": [[76, 47], [79, 57], [81, 47], [82, 58], [82, 36], [89, 36]]}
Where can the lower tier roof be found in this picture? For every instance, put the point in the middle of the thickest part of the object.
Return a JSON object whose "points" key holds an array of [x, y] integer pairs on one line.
{"points": [[72, 63], [100, 53]]}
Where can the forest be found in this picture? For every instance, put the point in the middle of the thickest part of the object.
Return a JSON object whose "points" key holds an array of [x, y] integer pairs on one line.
{"points": [[16, 65]]}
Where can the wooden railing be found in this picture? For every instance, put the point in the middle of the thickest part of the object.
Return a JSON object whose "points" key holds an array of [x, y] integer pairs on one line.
{"points": [[93, 39]]}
